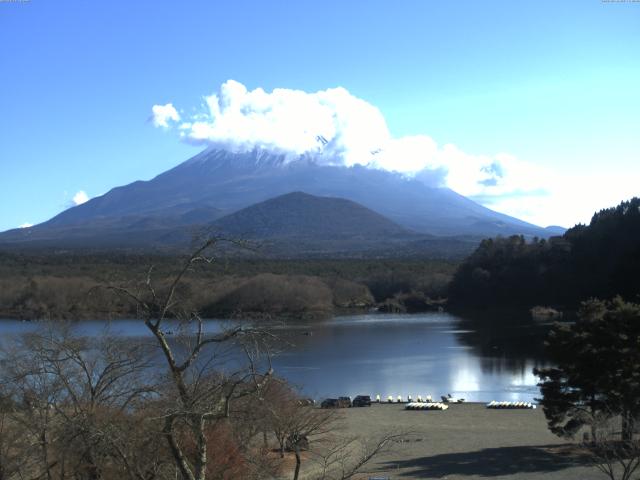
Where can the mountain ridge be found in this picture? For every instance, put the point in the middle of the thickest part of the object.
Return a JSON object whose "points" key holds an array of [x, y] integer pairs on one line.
{"points": [[216, 183]]}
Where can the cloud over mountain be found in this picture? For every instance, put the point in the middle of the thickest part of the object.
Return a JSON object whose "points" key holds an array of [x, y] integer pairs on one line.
{"points": [[79, 198], [337, 128]]}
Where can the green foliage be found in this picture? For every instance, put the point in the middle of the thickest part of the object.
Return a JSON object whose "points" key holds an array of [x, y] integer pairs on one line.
{"points": [[597, 370], [599, 260]]}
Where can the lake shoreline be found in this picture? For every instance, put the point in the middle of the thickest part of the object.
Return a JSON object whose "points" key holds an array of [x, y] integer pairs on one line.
{"points": [[376, 354], [521, 314]]}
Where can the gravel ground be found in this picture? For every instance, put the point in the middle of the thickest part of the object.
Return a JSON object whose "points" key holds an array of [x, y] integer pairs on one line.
{"points": [[468, 441]]}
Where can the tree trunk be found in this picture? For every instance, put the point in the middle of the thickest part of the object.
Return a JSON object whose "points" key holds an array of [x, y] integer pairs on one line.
{"points": [[298, 462], [201, 438], [44, 442], [92, 470], [181, 461], [627, 426], [593, 426]]}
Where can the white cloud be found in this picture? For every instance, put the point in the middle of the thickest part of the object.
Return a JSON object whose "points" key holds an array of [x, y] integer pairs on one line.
{"points": [[26, 225], [163, 114], [289, 121], [337, 128], [80, 197], [573, 198]]}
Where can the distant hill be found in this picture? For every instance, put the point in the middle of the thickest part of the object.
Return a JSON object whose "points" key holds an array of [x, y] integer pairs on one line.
{"points": [[161, 212], [301, 225], [299, 214], [555, 230], [601, 259]]}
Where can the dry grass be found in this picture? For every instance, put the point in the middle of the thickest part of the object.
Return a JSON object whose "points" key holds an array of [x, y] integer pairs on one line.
{"points": [[468, 441]]}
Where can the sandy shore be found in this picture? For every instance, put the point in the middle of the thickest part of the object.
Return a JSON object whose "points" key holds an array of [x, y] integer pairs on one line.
{"points": [[468, 441]]}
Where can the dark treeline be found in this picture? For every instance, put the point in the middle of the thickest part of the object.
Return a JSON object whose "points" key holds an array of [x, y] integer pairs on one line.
{"points": [[57, 285], [601, 259]]}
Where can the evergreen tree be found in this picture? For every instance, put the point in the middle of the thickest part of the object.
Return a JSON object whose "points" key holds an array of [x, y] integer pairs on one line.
{"points": [[598, 260], [598, 369]]}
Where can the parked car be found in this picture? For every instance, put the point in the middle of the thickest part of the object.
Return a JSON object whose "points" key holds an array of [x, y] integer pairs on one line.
{"points": [[306, 402], [362, 401], [329, 403], [344, 402]]}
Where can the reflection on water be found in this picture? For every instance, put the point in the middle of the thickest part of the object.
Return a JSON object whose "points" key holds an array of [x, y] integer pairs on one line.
{"points": [[433, 353], [504, 343]]}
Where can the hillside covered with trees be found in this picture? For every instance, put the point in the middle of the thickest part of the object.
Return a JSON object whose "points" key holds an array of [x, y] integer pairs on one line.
{"points": [[601, 260], [62, 286]]}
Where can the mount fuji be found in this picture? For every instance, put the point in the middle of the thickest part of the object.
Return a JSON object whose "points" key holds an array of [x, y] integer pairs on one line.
{"points": [[217, 183]]}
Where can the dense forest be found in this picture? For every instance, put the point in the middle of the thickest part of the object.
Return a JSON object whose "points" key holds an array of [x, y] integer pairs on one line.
{"points": [[601, 260], [62, 285]]}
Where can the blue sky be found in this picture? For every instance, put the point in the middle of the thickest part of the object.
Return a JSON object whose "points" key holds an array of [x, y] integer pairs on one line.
{"points": [[553, 84]]}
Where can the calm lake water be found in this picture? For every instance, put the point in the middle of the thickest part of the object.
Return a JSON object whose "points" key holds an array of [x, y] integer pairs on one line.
{"points": [[376, 354]]}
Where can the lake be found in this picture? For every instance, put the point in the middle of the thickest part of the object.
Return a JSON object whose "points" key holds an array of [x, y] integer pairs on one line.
{"points": [[395, 354]]}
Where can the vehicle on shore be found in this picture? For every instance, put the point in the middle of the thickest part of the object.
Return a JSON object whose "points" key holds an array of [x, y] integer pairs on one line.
{"points": [[329, 403], [340, 402], [362, 401]]}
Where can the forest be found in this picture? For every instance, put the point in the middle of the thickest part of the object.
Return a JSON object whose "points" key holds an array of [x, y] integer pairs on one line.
{"points": [[62, 285], [601, 260]]}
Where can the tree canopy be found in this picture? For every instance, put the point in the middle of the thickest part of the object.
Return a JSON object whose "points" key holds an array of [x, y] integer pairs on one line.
{"points": [[599, 260], [597, 370]]}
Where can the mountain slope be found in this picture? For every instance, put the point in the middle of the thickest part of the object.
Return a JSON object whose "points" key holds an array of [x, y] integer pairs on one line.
{"points": [[294, 225], [301, 225], [299, 214], [231, 181], [216, 183]]}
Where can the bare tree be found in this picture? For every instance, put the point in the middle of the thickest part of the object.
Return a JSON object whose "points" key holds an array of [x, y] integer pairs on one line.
{"points": [[12, 445], [299, 425], [282, 411], [613, 453], [344, 457], [98, 407], [30, 395], [76, 397], [202, 391]]}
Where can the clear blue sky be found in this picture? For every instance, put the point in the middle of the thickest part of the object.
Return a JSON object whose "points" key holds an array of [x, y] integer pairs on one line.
{"points": [[555, 83]]}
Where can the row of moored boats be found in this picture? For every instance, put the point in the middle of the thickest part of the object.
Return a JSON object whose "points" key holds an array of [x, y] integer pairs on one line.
{"points": [[510, 405], [444, 406]]}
